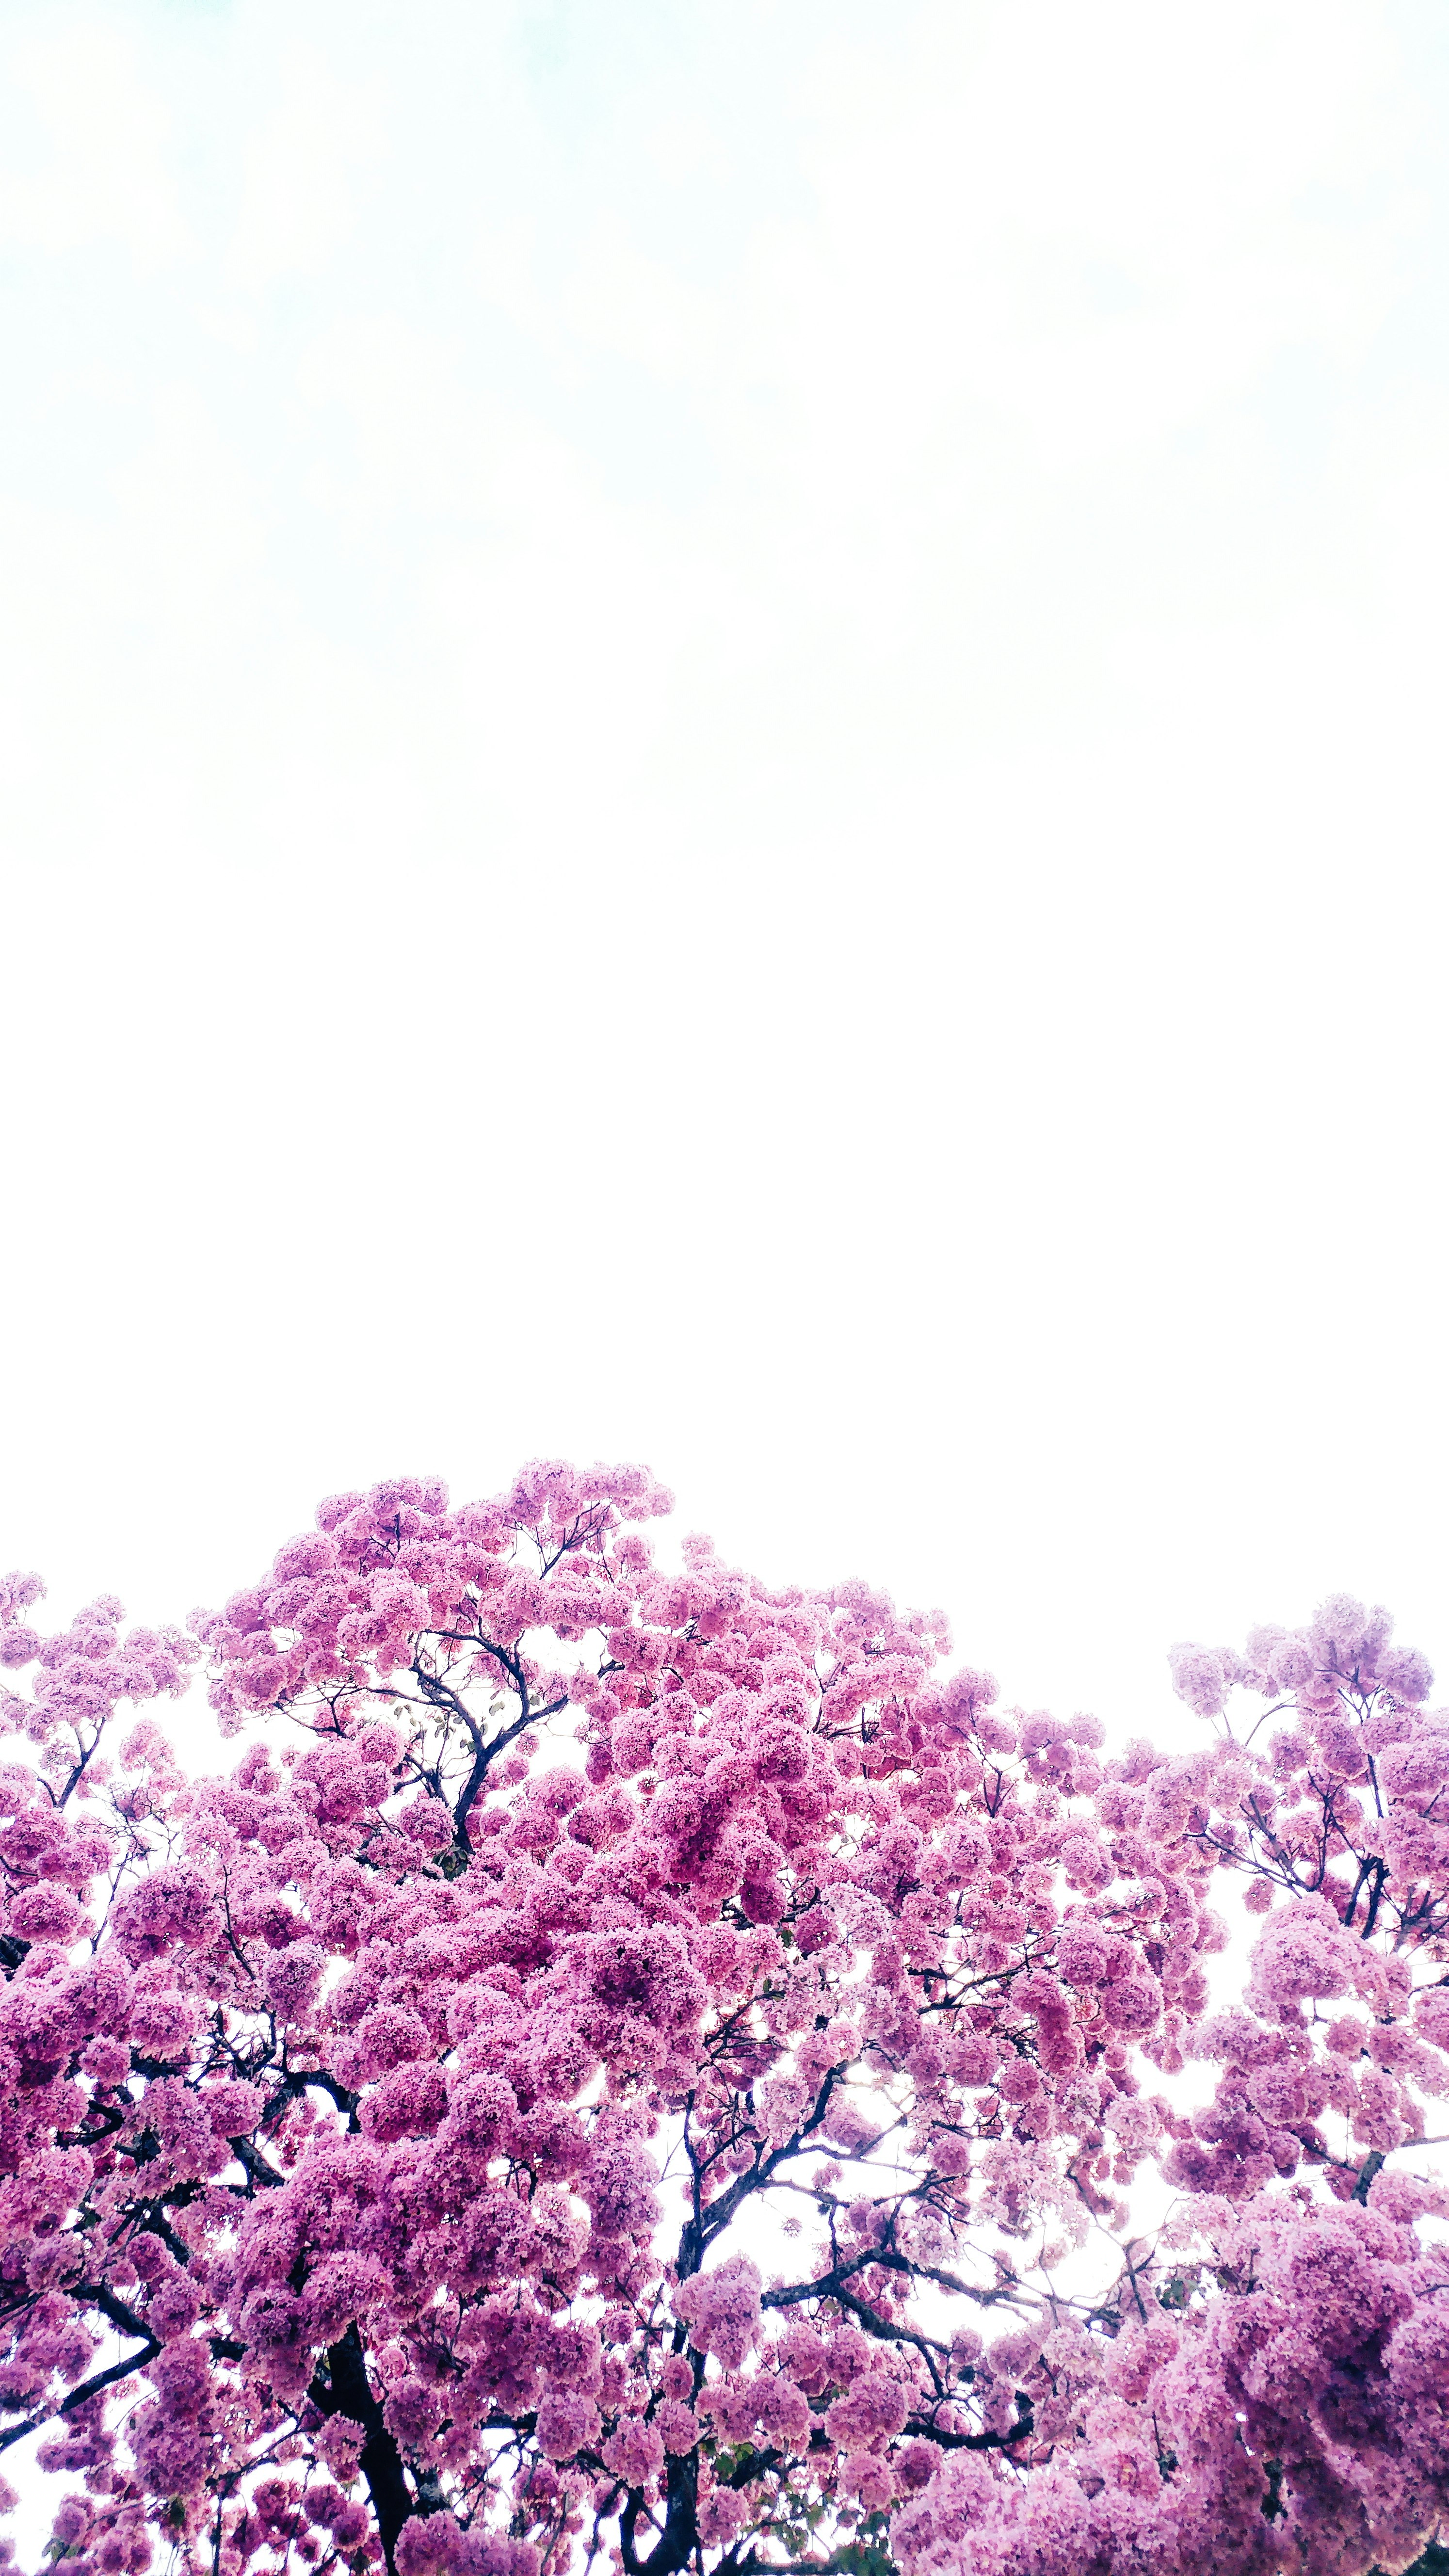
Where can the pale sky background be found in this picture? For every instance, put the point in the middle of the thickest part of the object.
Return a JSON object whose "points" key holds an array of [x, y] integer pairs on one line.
{"points": [[723, 741]]}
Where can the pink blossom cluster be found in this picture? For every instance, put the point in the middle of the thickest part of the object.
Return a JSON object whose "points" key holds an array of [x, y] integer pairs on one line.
{"points": [[638, 2064]]}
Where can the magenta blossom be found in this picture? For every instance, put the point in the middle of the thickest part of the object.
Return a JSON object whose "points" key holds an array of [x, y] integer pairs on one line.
{"points": [[645, 2066]]}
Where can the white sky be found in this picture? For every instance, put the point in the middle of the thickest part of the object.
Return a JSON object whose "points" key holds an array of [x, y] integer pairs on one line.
{"points": [[723, 741]]}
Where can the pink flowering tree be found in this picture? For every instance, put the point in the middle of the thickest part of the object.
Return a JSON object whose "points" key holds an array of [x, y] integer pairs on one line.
{"points": [[645, 2066]]}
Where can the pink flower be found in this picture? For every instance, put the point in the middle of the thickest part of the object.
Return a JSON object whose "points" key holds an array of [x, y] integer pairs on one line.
{"points": [[635, 2452], [722, 2309], [678, 2425], [566, 2423], [872, 2410], [1300, 1952], [1203, 1676], [867, 2477]]}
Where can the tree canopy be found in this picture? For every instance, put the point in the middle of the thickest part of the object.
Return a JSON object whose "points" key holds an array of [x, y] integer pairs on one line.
{"points": [[648, 2068]]}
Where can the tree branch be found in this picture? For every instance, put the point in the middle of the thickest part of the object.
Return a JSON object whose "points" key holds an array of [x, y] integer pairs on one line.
{"points": [[347, 2391]]}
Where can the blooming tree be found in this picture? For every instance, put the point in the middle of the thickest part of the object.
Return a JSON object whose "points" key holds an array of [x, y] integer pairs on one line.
{"points": [[643, 2066]]}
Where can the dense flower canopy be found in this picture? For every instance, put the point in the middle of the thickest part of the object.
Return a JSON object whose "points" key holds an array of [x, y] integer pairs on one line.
{"points": [[640, 2065]]}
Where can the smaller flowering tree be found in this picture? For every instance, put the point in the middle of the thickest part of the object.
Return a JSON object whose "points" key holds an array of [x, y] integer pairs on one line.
{"points": [[645, 2065]]}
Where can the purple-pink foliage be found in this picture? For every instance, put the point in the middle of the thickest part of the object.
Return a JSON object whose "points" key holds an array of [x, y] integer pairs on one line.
{"points": [[650, 2065]]}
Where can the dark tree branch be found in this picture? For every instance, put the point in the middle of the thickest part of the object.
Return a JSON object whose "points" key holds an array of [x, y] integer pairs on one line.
{"points": [[118, 2315], [346, 2390], [678, 2540]]}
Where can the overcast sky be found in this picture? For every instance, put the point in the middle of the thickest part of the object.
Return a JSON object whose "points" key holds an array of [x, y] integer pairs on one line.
{"points": [[723, 741]]}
